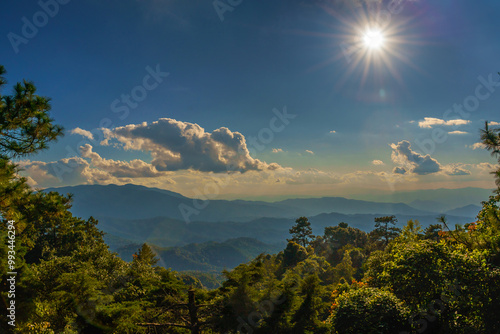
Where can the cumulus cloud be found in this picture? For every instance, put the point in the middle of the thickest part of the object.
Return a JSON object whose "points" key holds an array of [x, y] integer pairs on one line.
{"points": [[378, 163], [117, 168], [333, 131], [68, 171], [82, 132], [277, 150], [457, 132], [476, 146], [456, 170], [310, 152], [90, 168], [176, 145], [493, 123], [411, 162], [486, 167], [399, 170], [429, 122]]}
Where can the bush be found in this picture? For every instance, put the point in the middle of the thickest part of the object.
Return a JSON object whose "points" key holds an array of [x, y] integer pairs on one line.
{"points": [[369, 311]]}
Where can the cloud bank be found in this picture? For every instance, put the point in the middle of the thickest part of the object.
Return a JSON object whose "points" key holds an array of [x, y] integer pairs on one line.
{"points": [[176, 145], [429, 122], [411, 162]]}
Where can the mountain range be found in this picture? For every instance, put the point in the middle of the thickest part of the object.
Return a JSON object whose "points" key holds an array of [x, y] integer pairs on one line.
{"points": [[139, 202], [131, 215]]}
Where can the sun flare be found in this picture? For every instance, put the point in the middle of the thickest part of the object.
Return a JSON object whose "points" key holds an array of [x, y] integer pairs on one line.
{"points": [[373, 39]]}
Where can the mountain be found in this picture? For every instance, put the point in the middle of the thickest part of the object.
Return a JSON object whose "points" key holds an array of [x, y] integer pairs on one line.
{"points": [[208, 256], [138, 202], [435, 206], [224, 233], [466, 211], [314, 206], [439, 200], [167, 232]]}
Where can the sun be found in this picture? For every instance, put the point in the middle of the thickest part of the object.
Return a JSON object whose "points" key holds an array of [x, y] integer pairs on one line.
{"points": [[373, 39]]}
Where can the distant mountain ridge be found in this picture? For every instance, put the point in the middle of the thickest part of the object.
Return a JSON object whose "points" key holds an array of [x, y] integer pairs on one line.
{"points": [[226, 233], [208, 256], [139, 202], [470, 210], [167, 232], [438, 200]]}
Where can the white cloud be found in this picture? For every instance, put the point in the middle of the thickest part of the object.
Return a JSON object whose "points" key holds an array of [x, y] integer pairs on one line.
{"points": [[378, 163], [486, 167], [68, 171], [176, 145], [277, 150], [133, 169], [457, 132], [429, 122], [333, 131], [493, 123], [310, 152], [82, 132], [455, 170], [411, 161], [77, 170], [476, 146]]}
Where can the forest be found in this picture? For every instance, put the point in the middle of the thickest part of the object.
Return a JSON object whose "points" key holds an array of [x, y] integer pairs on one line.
{"points": [[58, 275]]}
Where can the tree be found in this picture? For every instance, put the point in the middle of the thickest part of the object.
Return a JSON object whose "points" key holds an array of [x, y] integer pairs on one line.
{"points": [[368, 310], [25, 125], [146, 255], [432, 232], [301, 232], [306, 318], [491, 140], [343, 234], [384, 230], [293, 254], [344, 269]]}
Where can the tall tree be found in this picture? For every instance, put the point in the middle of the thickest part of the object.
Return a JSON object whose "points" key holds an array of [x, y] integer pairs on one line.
{"points": [[25, 125], [146, 255], [306, 318], [343, 234], [301, 232], [491, 140], [385, 228]]}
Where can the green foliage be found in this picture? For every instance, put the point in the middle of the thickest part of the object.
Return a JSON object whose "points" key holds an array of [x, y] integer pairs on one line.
{"points": [[491, 140], [293, 254], [344, 269], [342, 235], [383, 229], [368, 310], [432, 232], [301, 232], [415, 272], [146, 255], [306, 318], [25, 126]]}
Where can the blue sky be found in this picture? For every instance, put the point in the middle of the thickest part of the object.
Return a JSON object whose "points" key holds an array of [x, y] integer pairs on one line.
{"points": [[364, 120]]}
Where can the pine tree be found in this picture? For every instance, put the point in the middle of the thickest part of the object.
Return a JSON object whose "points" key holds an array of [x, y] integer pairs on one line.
{"points": [[384, 230], [301, 232], [491, 140], [146, 255], [25, 125]]}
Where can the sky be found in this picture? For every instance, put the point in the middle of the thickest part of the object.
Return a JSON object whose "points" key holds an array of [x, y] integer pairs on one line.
{"points": [[260, 99]]}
